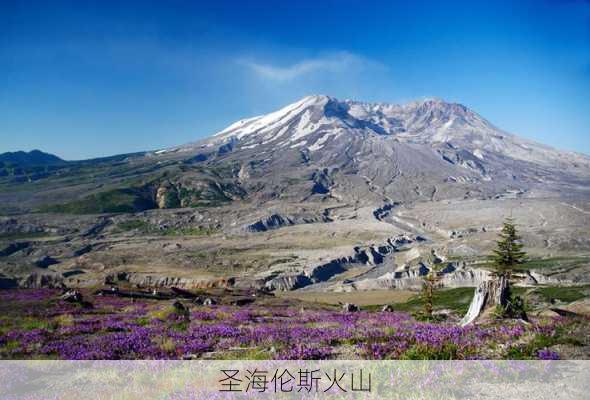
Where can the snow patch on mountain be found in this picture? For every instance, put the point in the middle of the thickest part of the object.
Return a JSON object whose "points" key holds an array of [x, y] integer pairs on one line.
{"points": [[313, 120]]}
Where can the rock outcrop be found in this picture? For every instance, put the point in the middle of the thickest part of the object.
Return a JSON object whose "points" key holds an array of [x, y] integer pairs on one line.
{"points": [[367, 255], [164, 281], [275, 221], [13, 248], [37, 280], [288, 282]]}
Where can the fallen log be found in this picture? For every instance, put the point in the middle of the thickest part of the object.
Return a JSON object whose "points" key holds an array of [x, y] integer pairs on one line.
{"points": [[564, 313], [242, 301]]}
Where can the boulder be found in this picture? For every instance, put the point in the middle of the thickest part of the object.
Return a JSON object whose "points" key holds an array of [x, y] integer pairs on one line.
{"points": [[209, 302], [178, 306], [41, 280], [580, 307], [72, 296], [349, 307], [548, 314], [182, 310]]}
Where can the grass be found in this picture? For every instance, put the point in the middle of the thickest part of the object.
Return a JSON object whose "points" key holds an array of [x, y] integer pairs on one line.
{"points": [[564, 294], [121, 316], [529, 350], [137, 196], [135, 224], [544, 263], [166, 344], [188, 231], [555, 262], [145, 227], [124, 200], [563, 336], [420, 352], [246, 354], [22, 235], [28, 324], [456, 300], [370, 299], [9, 346], [163, 314]]}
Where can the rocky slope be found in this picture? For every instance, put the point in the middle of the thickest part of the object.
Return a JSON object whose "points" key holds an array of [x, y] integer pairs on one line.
{"points": [[309, 196], [427, 150]]}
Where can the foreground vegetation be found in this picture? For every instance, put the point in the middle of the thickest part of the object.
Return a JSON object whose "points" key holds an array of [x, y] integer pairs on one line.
{"points": [[36, 324]]}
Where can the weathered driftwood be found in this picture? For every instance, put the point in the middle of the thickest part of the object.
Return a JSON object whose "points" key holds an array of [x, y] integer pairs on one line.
{"points": [[488, 295], [564, 313]]}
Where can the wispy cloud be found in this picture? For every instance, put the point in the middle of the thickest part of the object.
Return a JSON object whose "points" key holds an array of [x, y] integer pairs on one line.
{"points": [[332, 62]]}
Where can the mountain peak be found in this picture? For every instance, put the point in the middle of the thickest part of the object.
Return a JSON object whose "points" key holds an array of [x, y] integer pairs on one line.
{"points": [[315, 118], [323, 122], [430, 100], [31, 158], [424, 120], [316, 98]]}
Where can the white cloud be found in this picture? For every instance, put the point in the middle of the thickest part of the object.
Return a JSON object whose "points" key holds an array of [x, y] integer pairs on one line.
{"points": [[333, 62]]}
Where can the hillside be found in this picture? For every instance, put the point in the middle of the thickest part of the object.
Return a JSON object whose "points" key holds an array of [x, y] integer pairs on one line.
{"points": [[322, 195]]}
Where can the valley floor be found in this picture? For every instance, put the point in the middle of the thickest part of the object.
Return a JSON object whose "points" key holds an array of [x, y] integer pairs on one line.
{"points": [[37, 324]]}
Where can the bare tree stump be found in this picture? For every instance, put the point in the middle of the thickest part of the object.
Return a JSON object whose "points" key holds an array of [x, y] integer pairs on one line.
{"points": [[488, 295]]}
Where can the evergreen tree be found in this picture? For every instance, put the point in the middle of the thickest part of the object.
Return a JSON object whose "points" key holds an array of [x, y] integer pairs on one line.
{"points": [[508, 253], [431, 282]]}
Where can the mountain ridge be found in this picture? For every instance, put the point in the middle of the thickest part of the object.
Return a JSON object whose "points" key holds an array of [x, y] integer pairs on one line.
{"points": [[321, 149], [31, 158], [339, 179], [367, 152], [426, 121]]}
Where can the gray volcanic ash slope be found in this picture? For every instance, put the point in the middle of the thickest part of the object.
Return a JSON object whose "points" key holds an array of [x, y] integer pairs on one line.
{"points": [[369, 152]]}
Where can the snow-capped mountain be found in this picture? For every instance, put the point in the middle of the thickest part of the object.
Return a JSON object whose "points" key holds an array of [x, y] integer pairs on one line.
{"points": [[315, 120], [424, 149]]}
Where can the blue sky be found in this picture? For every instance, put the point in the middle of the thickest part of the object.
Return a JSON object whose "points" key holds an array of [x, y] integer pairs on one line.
{"points": [[85, 79]]}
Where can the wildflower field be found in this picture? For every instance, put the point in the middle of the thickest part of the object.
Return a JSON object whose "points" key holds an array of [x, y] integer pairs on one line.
{"points": [[36, 324]]}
